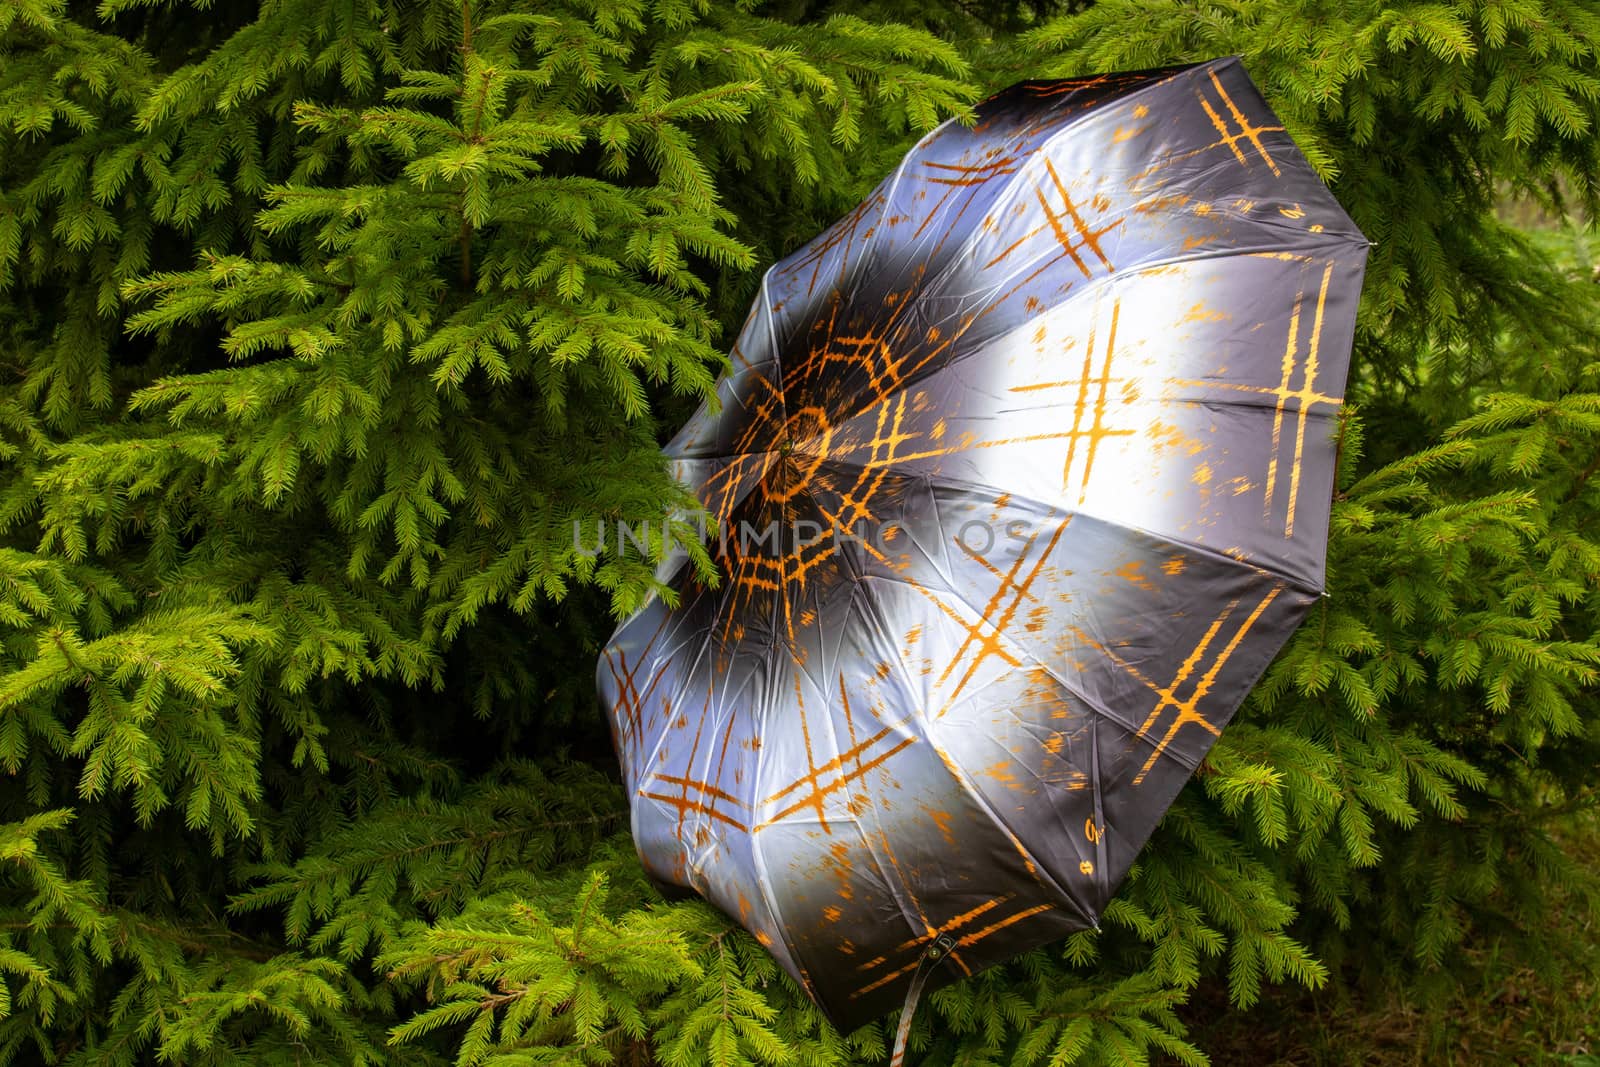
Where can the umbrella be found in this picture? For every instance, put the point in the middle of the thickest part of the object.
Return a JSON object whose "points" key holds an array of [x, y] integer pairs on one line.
{"points": [[1019, 479]]}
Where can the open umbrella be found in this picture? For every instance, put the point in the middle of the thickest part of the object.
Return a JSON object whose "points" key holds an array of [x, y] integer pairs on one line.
{"points": [[1021, 478]]}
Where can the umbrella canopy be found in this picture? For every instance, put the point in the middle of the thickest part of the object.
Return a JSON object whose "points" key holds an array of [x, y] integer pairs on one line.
{"points": [[1021, 478]]}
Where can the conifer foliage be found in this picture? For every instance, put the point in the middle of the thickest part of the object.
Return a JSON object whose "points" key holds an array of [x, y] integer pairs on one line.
{"points": [[322, 324]]}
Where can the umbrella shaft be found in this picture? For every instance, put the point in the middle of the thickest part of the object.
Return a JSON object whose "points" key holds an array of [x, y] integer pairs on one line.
{"points": [[936, 952]]}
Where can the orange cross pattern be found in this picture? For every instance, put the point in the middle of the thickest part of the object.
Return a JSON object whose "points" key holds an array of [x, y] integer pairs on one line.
{"points": [[844, 233], [681, 800], [683, 803], [987, 632], [956, 177], [868, 797], [751, 575], [1229, 138], [723, 489], [1067, 86], [815, 798], [1087, 380], [1304, 397], [1097, 431], [1166, 695], [1247, 131], [631, 700], [916, 944], [841, 778], [881, 452], [965, 941], [867, 351], [1058, 114], [1006, 579], [628, 698], [1081, 239]]}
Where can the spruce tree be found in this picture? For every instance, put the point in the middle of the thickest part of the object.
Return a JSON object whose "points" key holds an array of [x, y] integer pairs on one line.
{"points": [[322, 324]]}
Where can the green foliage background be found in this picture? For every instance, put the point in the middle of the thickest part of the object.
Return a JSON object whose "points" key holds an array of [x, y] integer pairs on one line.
{"points": [[322, 321]]}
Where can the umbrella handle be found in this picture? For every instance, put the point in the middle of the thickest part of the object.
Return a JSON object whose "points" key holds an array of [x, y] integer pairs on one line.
{"points": [[935, 953]]}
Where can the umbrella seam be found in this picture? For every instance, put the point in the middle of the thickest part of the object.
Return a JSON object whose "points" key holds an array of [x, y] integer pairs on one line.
{"points": [[870, 613], [1300, 584]]}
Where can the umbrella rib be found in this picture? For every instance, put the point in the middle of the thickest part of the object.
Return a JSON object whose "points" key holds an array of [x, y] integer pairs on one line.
{"points": [[764, 883], [919, 924], [777, 351], [681, 618], [1225, 402]]}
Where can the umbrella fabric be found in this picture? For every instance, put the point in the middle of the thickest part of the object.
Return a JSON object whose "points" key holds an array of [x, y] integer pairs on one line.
{"points": [[1020, 478]]}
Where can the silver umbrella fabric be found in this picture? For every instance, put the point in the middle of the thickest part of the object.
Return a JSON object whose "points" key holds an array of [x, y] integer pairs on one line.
{"points": [[1019, 480]]}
